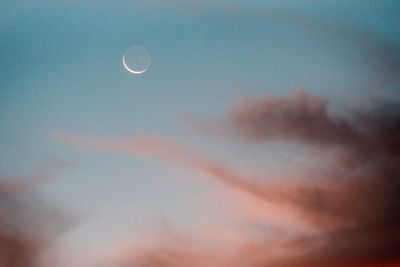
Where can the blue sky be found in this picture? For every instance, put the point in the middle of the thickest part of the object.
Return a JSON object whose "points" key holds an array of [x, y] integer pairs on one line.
{"points": [[61, 73]]}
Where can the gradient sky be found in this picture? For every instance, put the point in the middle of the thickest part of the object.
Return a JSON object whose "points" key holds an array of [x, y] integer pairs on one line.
{"points": [[69, 111]]}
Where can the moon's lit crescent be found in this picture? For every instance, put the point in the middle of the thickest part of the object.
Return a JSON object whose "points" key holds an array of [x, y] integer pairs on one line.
{"points": [[130, 70]]}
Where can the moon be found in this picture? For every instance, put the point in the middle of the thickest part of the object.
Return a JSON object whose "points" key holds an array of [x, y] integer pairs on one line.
{"points": [[130, 70], [136, 60]]}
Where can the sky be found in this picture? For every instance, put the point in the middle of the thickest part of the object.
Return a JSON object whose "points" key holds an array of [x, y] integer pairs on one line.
{"points": [[263, 133]]}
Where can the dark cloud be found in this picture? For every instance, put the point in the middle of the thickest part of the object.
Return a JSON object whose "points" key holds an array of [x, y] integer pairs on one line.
{"points": [[28, 225], [300, 118], [358, 203]]}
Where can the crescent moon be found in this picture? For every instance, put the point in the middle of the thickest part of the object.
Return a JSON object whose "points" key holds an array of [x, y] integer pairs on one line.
{"points": [[131, 70]]}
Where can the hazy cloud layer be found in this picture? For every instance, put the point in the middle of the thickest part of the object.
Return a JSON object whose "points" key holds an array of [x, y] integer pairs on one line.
{"points": [[382, 54]]}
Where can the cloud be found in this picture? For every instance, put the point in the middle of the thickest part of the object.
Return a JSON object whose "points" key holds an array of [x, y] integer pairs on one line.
{"points": [[300, 118], [352, 201], [357, 204], [28, 225]]}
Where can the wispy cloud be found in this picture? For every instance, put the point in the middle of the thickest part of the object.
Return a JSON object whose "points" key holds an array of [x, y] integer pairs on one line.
{"points": [[353, 202]]}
